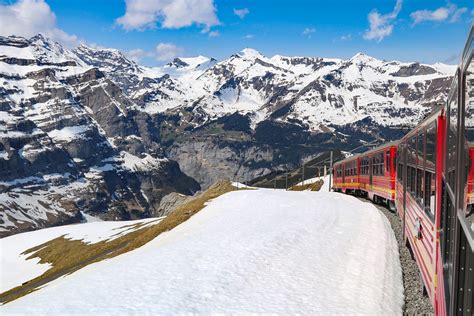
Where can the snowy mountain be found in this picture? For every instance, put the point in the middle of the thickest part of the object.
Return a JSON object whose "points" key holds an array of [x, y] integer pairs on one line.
{"points": [[70, 141], [90, 130], [316, 92]]}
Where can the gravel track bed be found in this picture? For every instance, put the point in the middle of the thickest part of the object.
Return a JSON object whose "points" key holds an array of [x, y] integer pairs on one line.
{"points": [[416, 303]]}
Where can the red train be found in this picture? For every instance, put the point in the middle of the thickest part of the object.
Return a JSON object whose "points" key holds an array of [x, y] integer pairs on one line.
{"points": [[427, 177]]}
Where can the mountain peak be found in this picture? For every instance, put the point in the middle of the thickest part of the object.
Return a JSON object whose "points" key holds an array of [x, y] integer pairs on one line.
{"points": [[191, 62], [250, 53], [362, 57]]}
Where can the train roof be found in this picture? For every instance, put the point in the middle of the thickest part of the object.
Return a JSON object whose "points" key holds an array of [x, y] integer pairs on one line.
{"points": [[373, 150], [427, 120], [347, 159], [390, 144]]}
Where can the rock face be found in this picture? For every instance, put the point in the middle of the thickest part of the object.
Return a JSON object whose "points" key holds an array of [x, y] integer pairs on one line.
{"points": [[90, 130], [71, 141], [169, 203]]}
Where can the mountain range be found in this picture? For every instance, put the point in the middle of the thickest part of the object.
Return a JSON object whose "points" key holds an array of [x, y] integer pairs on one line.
{"points": [[88, 131]]}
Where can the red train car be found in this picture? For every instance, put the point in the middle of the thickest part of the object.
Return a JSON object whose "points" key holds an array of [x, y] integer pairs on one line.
{"points": [[377, 176], [370, 174], [420, 166], [346, 175], [433, 189]]}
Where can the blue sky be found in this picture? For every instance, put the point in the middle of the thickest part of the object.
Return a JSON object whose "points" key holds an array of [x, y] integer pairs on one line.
{"points": [[155, 31]]}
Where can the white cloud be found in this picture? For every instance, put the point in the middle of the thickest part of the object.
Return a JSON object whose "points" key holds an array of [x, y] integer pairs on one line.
{"points": [[451, 12], [249, 36], [29, 17], [138, 54], [346, 37], [167, 51], [456, 16], [241, 13], [308, 31], [172, 14], [214, 34], [162, 52], [381, 25]]}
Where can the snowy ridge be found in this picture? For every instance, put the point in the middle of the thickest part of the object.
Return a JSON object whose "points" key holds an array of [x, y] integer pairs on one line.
{"points": [[317, 91]]}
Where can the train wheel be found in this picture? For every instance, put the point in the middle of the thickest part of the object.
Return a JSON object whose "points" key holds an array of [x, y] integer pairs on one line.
{"points": [[375, 199], [391, 206]]}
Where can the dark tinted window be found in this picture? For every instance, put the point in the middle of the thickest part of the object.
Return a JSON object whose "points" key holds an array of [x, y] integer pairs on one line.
{"points": [[452, 139], [430, 167]]}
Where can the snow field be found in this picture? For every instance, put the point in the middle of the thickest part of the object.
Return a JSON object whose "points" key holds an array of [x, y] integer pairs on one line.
{"points": [[251, 251], [16, 269]]}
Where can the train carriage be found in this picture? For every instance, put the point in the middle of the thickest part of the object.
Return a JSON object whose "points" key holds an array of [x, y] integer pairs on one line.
{"points": [[377, 177], [419, 160], [346, 175], [429, 174]]}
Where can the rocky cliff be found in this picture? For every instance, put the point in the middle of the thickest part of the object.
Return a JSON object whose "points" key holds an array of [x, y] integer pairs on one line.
{"points": [[71, 141]]}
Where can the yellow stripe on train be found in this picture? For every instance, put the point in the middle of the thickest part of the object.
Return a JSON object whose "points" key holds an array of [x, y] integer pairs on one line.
{"points": [[367, 187]]}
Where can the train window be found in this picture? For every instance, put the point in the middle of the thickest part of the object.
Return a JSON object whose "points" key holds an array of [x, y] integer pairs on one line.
{"points": [[430, 168], [364, 165], [339, 171], [400, 163], [411, 166], [430, 192], [451, 145], [468, 178], [387, 161], [378, 163], [411, 179], [430, 153], [420, 157], [421, 148], [419, 185], [412, 151]]}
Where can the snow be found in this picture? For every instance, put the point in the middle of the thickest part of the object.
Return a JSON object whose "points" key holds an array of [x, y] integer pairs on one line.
{"points": [[240, 185], [246, 252], [16, 269], [134, 163], [326, 184], [89, 218], [68, 133], [250, 53], [18, 52], [310, 181]]}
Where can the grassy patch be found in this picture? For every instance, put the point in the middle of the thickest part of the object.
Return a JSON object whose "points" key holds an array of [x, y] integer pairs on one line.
{"points": [[67, 256], [316, 186]]}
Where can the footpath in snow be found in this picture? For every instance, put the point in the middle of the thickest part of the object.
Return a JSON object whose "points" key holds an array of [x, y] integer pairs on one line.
{"points": [[252, 251]]}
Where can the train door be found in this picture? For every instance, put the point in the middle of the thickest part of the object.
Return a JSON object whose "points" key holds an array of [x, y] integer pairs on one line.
{"points": [[448, 215], [343, 165], [403, 171], [371, 171]]}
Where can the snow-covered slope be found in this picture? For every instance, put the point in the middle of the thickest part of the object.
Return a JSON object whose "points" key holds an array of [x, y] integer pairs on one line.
{"points": [[253, 251], [15, 268]]}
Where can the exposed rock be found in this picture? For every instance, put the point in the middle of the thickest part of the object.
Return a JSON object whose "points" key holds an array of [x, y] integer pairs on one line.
{"points": [[169, 203]]}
